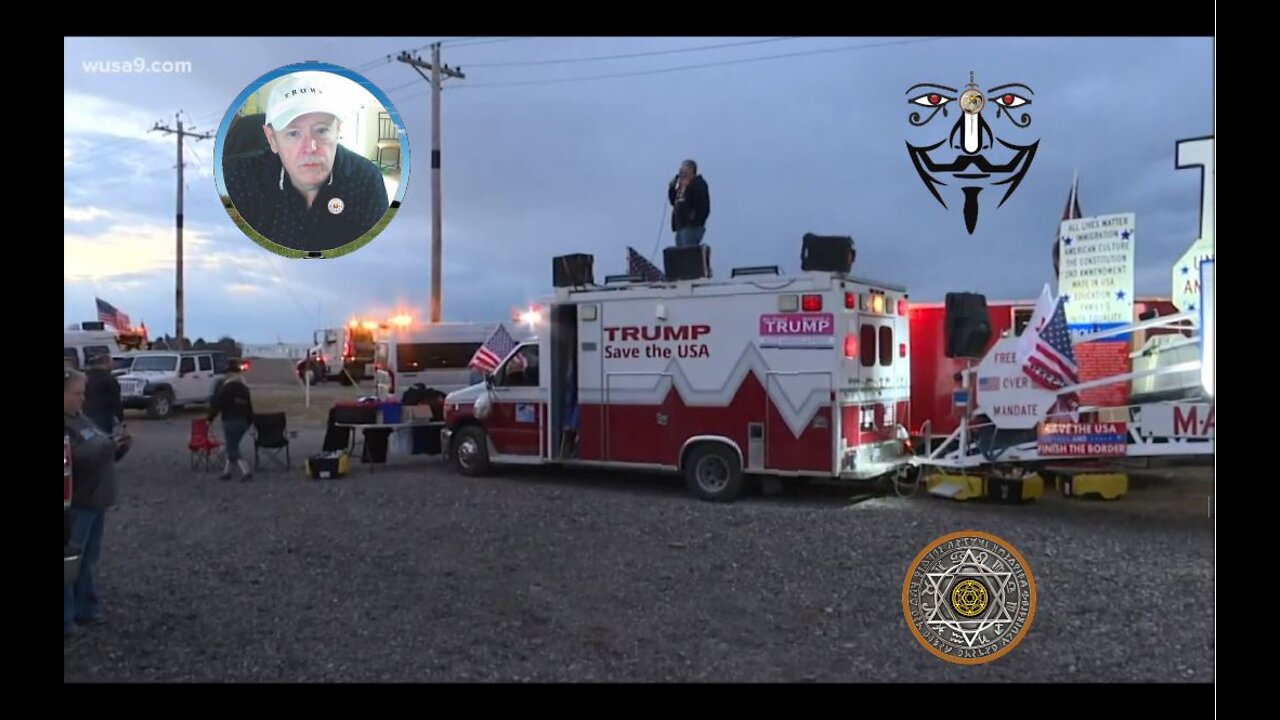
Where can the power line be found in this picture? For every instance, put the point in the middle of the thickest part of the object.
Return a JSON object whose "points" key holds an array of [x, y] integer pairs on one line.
{"points": [[462, 42], [722, 63], [101, 151], [650, 53]]}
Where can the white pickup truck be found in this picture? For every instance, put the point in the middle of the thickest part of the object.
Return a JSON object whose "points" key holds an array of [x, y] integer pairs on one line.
{"points": [[162, 381]]}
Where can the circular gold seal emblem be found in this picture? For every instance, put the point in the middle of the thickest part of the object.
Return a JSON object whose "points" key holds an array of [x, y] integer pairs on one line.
{"points": [[971, 101], [969, 597]]}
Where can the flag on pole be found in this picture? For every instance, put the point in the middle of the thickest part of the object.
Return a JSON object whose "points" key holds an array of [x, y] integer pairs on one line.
{"points": [[108, 314], [494, 351], [1051, 363], [1070, 212], [639, 266], [1039, 317]]}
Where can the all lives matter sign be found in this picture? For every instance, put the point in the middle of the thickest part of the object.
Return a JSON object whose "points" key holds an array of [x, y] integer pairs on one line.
{"points": [[1096, 284], [1096, 271]]}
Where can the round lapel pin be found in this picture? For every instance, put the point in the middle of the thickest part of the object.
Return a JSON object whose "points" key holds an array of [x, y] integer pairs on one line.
{"points": [[336, 205]]}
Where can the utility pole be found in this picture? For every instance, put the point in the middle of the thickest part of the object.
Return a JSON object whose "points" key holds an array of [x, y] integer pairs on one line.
{"points": [[178, 299], [439, 72]]}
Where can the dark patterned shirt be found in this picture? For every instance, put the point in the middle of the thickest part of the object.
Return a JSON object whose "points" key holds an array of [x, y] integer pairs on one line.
{"points": [[354, 199]]}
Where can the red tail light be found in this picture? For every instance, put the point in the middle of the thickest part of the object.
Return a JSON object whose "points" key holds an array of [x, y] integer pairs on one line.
{"points": [[851, 345], [902, 308], [811, 303], [850, 301], [902, 350]]}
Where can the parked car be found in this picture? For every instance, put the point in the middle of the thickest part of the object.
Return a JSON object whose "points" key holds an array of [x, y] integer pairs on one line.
{"points": [[163, 381]]}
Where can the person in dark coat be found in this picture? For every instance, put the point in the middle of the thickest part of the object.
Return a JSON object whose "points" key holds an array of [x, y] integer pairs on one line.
{"points": [[102, 401], [690, 200], [235, 404], [93, 490]]}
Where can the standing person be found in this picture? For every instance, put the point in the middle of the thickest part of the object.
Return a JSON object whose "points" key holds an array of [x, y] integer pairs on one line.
{"points": [[93, 490], [102, 395], [690, 200], [234, 403]]}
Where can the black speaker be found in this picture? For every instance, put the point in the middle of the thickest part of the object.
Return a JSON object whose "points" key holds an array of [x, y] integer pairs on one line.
{"points": [[687, 263], [967, 329], [827, 253], [575, 270]]}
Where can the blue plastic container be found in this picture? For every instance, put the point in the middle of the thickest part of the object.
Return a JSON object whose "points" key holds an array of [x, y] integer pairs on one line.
{"points": [[390, 412]]}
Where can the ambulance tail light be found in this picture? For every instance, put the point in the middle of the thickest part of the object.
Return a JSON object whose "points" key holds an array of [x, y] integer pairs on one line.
{"points": [[788, 303], [902, 307], [850, 301], [902, 350], [811, 303], [850, 346], [877, 304]]}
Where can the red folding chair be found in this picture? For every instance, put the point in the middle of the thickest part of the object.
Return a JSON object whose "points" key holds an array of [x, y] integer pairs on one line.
{"points": [[205, 449]]}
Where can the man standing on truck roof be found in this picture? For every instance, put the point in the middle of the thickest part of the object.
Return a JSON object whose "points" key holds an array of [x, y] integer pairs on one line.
{"points": [[102, 403], [690, 200], [307, 192]]}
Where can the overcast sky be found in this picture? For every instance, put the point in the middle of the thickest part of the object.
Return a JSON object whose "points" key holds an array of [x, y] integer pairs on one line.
{"points": [[811, 142]]}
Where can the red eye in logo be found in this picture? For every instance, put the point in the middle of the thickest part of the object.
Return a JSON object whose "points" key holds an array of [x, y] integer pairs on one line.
{"points": [[1009, 100], [931, 100]]}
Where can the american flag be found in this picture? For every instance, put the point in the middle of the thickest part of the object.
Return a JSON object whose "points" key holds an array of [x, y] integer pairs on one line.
{"points": [[495, 349], [1051, 363], [639, 266], [1070, 212], [109, 315], [988, 384]]}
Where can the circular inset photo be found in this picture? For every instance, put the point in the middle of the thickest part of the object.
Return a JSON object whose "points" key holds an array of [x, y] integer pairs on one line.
{"points": [[311, 161]]}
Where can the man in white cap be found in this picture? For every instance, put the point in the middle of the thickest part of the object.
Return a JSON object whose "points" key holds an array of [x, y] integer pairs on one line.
{"points": [[308, 193]]}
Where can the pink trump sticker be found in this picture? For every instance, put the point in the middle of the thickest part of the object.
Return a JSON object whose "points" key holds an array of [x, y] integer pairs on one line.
{"points": [[797, 324]]}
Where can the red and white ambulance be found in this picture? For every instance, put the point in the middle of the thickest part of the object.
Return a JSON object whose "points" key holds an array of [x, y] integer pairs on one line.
{"points": [[757, 374]]}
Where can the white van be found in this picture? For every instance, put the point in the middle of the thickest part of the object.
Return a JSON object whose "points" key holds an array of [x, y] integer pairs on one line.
{"points": [[438, 355], [80, 346]]}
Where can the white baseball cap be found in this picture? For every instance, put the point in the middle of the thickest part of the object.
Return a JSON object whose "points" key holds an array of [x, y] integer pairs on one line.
{"points": [[301, 93]]}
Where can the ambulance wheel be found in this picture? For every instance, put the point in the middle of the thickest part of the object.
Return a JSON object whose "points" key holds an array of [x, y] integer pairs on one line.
{"points": [[713, 472], [470, 451]]}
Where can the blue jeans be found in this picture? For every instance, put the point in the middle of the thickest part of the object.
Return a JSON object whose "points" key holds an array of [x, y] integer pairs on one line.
{"points": [[80, 599], [234, 431], [690, 236]]}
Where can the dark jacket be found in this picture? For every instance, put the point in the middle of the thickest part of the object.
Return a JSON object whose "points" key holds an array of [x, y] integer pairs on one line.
{"points": [[696, 207], [280, 214], [232, 402], [93, 463], [102, 398]]}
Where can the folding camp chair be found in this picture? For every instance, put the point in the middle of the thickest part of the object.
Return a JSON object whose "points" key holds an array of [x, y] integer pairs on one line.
{"points": [[270, 439], [205, 449]]}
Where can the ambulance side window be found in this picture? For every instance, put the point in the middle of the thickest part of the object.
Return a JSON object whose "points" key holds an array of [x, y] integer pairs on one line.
{"points": [[70, 358], [521, 370], [886, 345], [867, 345]]}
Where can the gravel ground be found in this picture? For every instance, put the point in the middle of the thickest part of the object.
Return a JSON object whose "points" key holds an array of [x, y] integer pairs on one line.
{"points": [[417, 574]]}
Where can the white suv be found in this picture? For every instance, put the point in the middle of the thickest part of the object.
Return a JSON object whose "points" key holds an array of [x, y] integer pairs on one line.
{"points": [[161, 381]]}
